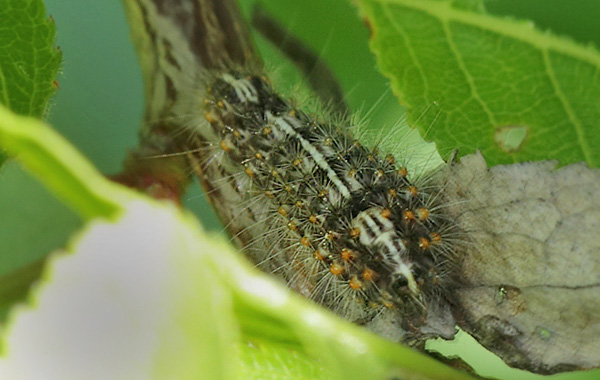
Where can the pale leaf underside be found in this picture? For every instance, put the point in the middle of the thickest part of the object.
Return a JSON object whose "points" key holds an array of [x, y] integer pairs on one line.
{"points": [[530, 287]]}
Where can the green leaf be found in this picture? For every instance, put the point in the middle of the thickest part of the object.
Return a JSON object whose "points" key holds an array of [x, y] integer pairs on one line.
{"points": [[60, 166], [271, 361], [472, 81], [28, 60]]}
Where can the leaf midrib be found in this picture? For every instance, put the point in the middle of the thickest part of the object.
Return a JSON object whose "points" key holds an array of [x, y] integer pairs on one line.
{"points": [[518, 30]]}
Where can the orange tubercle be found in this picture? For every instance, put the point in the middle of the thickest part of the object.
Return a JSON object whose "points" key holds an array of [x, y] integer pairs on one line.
{"points": [[408, 215], [355, 232], [336, 269], [355, 283], [348, 254]]}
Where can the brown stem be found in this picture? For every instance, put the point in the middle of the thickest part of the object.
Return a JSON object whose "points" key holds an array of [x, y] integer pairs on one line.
{"points": [[177, 41]]}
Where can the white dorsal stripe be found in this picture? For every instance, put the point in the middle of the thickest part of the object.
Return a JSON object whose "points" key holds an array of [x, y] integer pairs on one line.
{"points": [[243, 88], [285, 125], [404, 270], [387, 224], [387, 237], [364, 238]]}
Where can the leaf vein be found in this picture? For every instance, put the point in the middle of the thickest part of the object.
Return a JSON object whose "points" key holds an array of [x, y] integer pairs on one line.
{"points": [[4, 88], [409, 46], [468, 77], [585, 148]]}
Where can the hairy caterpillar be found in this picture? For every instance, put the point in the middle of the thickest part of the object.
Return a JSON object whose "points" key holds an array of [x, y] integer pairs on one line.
{"points": [[339, 222]]}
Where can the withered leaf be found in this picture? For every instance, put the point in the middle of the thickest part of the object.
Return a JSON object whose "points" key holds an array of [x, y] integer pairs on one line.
{"points": [[530, 276]]}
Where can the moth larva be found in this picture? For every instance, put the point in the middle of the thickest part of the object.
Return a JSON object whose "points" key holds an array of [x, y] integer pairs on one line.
{"points": [[340, 222]]}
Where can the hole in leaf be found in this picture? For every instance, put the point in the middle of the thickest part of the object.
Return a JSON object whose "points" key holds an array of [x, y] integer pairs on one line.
{"points": [[511, 138]]}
